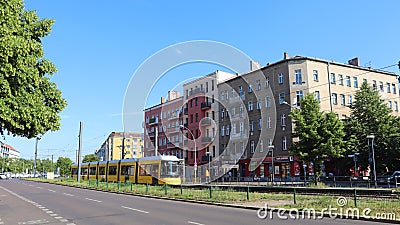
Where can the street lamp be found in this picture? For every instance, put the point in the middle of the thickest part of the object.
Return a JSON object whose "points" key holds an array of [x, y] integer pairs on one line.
{"points": [[354, 156], [271, 149], [195, 152], [372, 137]]}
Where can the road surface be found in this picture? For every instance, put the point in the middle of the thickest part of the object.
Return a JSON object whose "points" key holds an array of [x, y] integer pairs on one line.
{"points": [[27, 202]]}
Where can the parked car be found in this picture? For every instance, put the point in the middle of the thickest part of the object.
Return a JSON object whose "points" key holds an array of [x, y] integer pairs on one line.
{"points": [[3, 176], [395, 177]]}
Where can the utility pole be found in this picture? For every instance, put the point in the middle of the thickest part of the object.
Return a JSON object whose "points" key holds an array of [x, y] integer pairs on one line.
{"points": [[34, 162], [80, 151], [123, 146]]}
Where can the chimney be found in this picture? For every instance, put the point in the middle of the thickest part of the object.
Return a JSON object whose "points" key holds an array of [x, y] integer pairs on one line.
{"points": [[285, 55], [254, 65], [173, 95], [354, 62], [162, 100]]}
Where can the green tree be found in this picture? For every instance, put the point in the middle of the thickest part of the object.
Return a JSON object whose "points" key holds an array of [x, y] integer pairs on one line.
{"points": [[370, 115], [64, 164], [319, 135], [29, 102], [90, 158]]}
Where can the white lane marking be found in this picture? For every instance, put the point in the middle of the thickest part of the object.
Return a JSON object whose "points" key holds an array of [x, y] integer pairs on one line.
{"points": [[63, 220], [94, 200], [70, 224], [58, 217], [53, 214], [45, 209], [137, 210], [191, 222], [49, 212], [39, 187], [3, 195], [68, 194], [51, 190], [41, 207]]}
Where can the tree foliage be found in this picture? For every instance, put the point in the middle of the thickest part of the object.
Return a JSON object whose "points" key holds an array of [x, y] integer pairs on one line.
{"points": [[29, 102], [64, 164], [370, 115], [90, 158], [319, 135]]}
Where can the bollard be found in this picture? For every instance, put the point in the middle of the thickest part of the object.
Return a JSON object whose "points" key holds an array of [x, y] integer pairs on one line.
{"points": [[355, 198], [166, 189], [210, 191], [97, 183], [248, 193], [107, 185], [181, 189], [147, 188], [131, 186], [119, 184], [294, 196]]}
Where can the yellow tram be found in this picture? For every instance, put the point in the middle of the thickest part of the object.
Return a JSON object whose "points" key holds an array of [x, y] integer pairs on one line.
{"points": [[151, 170]]}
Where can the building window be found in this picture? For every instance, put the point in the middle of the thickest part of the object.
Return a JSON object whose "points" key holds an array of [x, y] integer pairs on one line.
{"points": [[234, 128], [342, 100], [280, 78], [222, 113], [258, 105], [233, 111], [197, 117], [212, 85], [251, 125], [266, 81], [226, 94], [394, 88], [334, 98], [365, 80], [233, 93], [259, 124], [374, 84], [251, 146], [299, 79], [350, 99], [196, 101], [381, 86], [299, 96], [388, 87], [283, 120], [240, 88], [223, 131], [390, 104], [348, 82], [333, 78], [241, 128], [258, 85], [241, 111], [267, 102], [281, 98], [269, 122], [315, 75], [250, 106], [340, 79], [317, 96], [222, 96], [227, 130], [250, 88], [355, 82], [284, 147], [396, 106]]}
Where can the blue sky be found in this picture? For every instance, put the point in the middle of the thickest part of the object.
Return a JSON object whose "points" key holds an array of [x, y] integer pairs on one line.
{"points": [[98, 45]]}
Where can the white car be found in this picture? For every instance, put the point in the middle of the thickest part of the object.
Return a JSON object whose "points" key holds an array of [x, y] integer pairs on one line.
{"points": [[3, 176]]}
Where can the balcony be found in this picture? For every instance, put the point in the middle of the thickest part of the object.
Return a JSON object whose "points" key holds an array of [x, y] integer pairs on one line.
{"points": [[206, 158], [205, 105], [206, 139], [153, 121], [205, 122], [196, 91]]}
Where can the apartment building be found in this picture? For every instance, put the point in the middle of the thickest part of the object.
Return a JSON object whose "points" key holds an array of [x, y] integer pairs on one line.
{"points": [[163, 127], [255, 107], [117, 142], [201, 120], [7, 151]]}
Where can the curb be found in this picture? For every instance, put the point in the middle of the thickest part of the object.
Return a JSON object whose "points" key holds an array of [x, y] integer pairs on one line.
{"points": [[268, 209]]}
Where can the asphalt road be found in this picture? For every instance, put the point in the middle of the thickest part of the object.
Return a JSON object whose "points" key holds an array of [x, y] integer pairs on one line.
{"points": [[26, 202]]}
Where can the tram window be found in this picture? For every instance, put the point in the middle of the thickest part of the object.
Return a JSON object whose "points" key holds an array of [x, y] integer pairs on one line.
{"points": [[84, 171], [142, 171], [124, 170], [74, 171], [169, 169], [112, 170], [92, 171], [131, 170], [102, 170]]}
